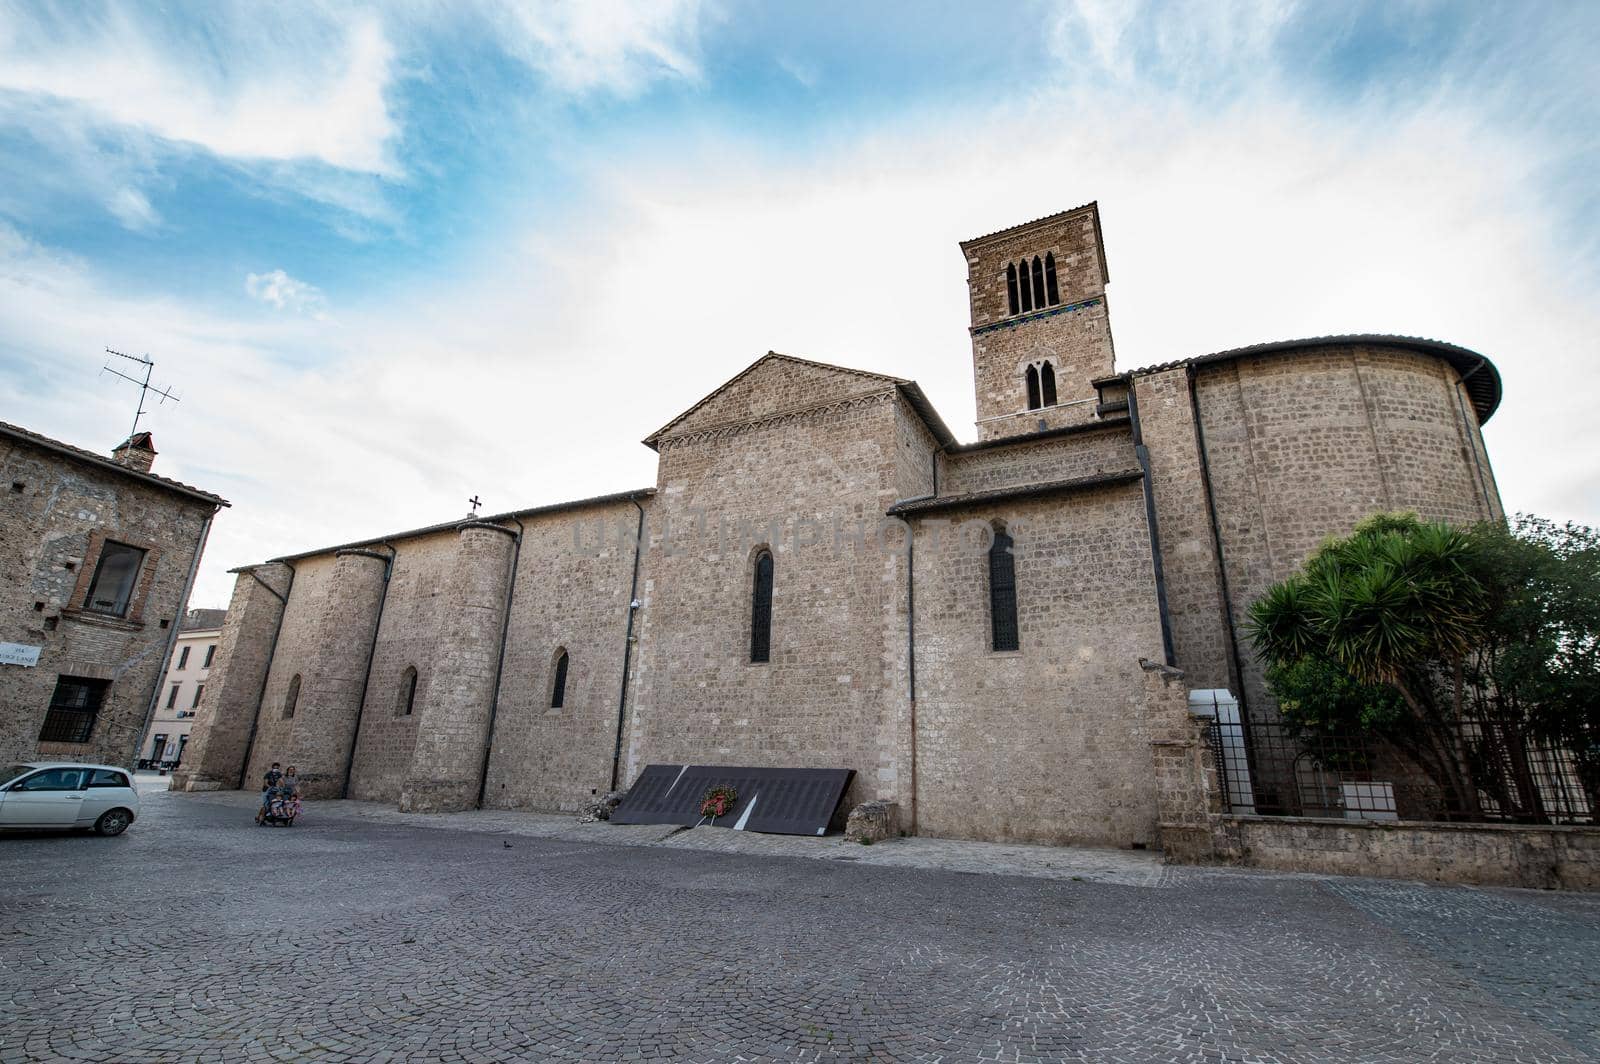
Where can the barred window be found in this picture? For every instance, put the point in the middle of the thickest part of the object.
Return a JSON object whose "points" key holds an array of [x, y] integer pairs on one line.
{"points": [[408, 692], [1002, 594], [558, 685], [761, 610], [73, 709], [112, 587], [293, 697]]}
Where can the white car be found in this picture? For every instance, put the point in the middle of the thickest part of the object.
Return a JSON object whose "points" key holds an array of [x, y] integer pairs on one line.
{"points": [[56, 794]]}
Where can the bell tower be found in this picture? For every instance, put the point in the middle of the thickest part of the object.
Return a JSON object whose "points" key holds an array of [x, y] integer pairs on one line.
{"points": [[1040, 328]]}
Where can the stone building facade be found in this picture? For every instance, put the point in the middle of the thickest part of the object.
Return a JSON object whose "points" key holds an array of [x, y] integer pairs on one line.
{"points": [[822, 575], [99, 555]]}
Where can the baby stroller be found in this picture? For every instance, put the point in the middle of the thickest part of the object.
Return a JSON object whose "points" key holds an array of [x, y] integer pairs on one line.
{"points": [[281, 812]]}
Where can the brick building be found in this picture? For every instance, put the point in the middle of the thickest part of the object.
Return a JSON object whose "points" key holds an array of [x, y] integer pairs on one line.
{"points": [[823, 576], [99, 555], [182, 688]]}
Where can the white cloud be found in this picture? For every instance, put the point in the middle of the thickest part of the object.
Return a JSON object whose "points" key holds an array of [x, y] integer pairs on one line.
{"points": [[286, 293], [618, 47], [310, 87]]}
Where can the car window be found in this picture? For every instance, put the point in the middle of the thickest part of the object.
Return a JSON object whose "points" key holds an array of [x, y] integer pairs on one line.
{"points": [[13, 771], [106, 778], [54, 779]]}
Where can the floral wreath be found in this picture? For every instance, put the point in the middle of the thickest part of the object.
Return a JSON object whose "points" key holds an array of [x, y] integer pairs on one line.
{"points": [[717, 801]]}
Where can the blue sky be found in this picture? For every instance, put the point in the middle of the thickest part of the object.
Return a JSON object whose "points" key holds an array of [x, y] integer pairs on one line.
{"points": [[393, 256]]}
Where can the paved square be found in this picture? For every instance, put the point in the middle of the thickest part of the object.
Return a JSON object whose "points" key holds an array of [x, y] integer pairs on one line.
{"points": [[197, 936]]}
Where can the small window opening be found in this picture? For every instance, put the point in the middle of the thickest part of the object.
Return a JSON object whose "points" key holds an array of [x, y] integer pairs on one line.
{"points": [[17, 486], [761, 610], [293, 697], [1051, 292], [408, 693], [1002, 593], [1024, 288], [1011, 287], [558, 686], [1038, 282], [1033, 387], [1047, 384]]}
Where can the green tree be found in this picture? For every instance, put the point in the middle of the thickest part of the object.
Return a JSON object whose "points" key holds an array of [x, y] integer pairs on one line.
{"points": [[1458, 647], [1397, 605]]}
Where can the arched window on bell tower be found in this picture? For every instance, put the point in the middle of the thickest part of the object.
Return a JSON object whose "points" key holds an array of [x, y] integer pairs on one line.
{"points": [[1033, 387], [1052, 291], [1011, 288], [1047, 384], [1038, 282]]}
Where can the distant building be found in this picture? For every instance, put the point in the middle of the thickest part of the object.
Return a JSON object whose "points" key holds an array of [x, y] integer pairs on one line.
{"points": [[182, 688], [97, 557]]}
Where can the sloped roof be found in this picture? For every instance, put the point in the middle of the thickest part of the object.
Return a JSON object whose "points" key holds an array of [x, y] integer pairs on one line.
{"points": [[102, 462], [202, 620], [1477, 372], [909, 388]]}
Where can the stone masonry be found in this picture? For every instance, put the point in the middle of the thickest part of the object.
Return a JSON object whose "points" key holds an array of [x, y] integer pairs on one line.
{"points": [[62, 507], [1142, 504]]}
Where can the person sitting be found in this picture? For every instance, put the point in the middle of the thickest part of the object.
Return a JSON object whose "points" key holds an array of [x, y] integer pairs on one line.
{"points": [[269, 783]]}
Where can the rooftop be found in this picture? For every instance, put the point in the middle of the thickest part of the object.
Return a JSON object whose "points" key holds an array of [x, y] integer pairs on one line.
{"points": [[108, 464]]}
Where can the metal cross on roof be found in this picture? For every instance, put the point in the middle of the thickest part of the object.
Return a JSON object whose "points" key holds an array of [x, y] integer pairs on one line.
{"points": [[475, 503]]}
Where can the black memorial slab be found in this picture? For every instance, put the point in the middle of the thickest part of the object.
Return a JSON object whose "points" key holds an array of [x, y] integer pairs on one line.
{"points": [[783, 801]]}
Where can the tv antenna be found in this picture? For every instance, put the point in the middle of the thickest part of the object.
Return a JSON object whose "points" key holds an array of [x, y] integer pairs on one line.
{"points": [[144, 385]]}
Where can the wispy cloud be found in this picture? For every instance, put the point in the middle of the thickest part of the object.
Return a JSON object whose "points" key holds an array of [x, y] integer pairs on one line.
{"points": [[619, 47], [285, 293]]}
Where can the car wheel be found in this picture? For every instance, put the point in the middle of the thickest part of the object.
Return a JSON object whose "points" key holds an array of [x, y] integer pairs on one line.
{"points": [[113, 822]]}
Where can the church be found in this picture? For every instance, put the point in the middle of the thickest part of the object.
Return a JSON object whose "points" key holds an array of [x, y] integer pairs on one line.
{"points": [[997, 636]]}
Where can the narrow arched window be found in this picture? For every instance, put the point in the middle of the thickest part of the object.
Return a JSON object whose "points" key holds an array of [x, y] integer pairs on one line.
{"points": [[407, 698], [1011, 287], [1038, 282], [761, 609], [1033, 388], [1002, 594], [292, 697], [1051, 292], [1047, 384], [1024, 290], [558, 686]]}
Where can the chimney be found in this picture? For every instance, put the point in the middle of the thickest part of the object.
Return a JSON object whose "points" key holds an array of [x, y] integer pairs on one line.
{"points": [[136, 452]]}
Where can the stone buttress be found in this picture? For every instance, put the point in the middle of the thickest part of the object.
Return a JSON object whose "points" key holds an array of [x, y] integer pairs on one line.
{"points": [[453, 732], [330, 696], [214, 758]]}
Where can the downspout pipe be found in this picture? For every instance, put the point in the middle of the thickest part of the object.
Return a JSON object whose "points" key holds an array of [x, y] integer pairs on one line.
{"points": [[1152, 524], [266, 674], [172, 636], [500, 662], [1236, 680], [366, 677], [911, 656], [627, 647]]}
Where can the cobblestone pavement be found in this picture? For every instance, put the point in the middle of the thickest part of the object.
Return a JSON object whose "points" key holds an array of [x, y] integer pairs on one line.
{"points": [[199, 937]]}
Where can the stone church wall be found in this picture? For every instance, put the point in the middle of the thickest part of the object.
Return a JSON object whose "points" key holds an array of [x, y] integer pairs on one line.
{"points": [[1303, 446], [573, 581], [412, 615], [1050, 743], [834, 691], [1105, 448], [296, 644]]}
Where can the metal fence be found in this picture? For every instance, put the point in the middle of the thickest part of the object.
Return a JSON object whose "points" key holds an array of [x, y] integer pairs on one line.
{"points": [[1473, 771]]}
